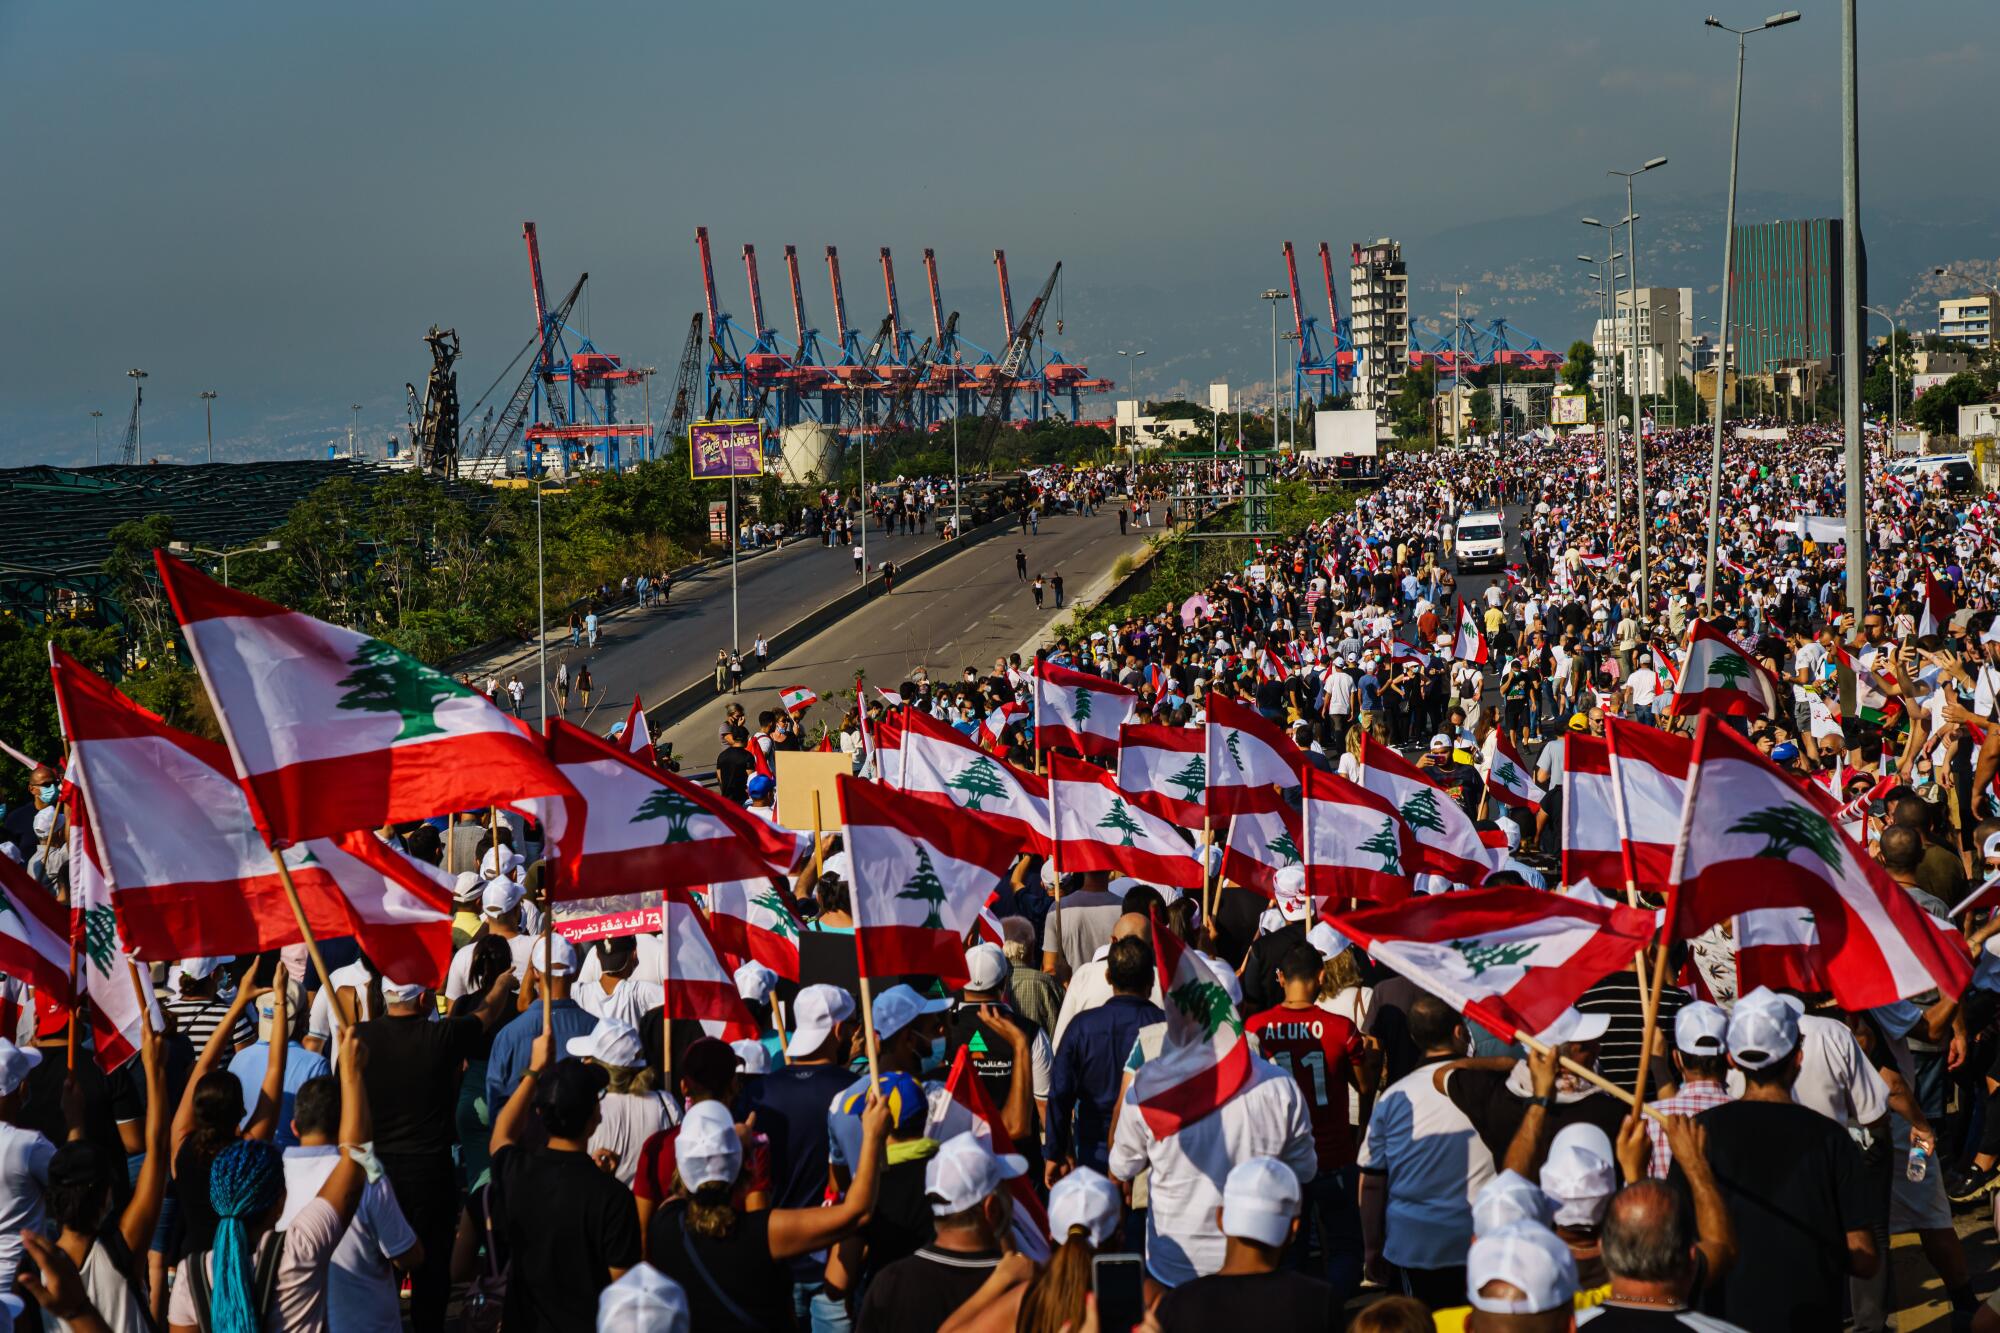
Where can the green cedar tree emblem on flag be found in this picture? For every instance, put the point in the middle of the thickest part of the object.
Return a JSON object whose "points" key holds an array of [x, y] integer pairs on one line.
{"points": [[1420, 810], [383, 680], [1482, 957], [1386, 845], [1119, 820], [1083, 705], [1507, 775], [1193, 779], [772, 903], [668, 804], [1788, 826], [925, 887], [978, 780], [1728, 668], [1234, 744], [100, 936], [1205, 1004], [1283, 846]]}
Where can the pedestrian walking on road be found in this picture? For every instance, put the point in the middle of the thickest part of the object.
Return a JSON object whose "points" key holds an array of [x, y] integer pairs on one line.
{"points": [[575, 629], [517, 691], [735, 673], [1034, 521], [857, 558], [1121, 520], [584, 684], [1056, 583], [562, 687], [590, 629], [721, 670], [888, 578], [1020, 564], [1038, 592], [761, 647]]}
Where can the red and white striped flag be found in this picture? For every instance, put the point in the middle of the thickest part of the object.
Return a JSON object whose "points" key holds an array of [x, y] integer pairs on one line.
{"points": [[1592, 855], [1666, 667], [699, 986], [1098, 828], [996, 723], [796, 699], [631, 828], [1030, 1231], [1779, 947], [1165, 770], [750, 920], [1079, 711], [1507, 775], [1206, 1058], [637, 735], [1450, 844], [331, 730], [1470, 644], [942, 766], [1356, 845], [1248, 758], [1939, 606], [1260, 843], [1752, 838], [104, 969], [1649, 779], [1510, 959], [1719, 677], [34, 938], [921, 875]]}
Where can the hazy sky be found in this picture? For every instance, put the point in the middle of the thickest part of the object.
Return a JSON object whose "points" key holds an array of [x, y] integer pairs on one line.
{"points": [[274, 200]]}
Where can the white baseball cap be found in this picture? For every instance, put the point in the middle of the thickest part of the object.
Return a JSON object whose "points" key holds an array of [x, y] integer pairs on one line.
{"points": [[16, 1063], [1508, 1197], [707, 1150], [817, 1011], [1085, 1198], [1573, 1025], [900, 1006], [402, 992], [756, 1060], [1991, 851], [195, 969], [1701, 1028], [835, 867], [1294, 904], [500, 861], [965, 1172], [557, 959], [987, 968], [1330, 942], [500, 896], [609, 1043], [1527, 1256], [645, 1300], [468, 886], [1440, 743], [1259, 1200], [1578, 1176], [1763, 1029], [754, 981]]}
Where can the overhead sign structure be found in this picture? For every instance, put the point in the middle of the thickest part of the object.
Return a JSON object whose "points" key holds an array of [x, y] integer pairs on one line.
{"points": [[719, 450], [1569, 409]]}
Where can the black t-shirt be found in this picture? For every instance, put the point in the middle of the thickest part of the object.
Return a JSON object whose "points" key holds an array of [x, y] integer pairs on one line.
{"points": [[992, 1059], [43, 1109], [791, 1103], [738, 1266], [1282, 1299], [1261, 987], [1237, 910], [1636, 1319], [902, 1222], [190, 1175], [1496, 1112], [412, 1080], [827, 958], [567, 1225], [733, 768], [1795, 1187], [917, 1294]]}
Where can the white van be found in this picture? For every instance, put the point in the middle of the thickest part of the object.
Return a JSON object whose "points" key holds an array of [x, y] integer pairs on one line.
{"points": [[1480, 541]]}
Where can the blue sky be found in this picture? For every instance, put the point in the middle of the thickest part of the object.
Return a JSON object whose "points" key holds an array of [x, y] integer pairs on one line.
{"points": [[273, 201]]}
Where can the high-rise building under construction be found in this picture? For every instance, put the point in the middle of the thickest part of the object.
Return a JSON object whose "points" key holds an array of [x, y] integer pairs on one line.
{"points": [[1379, 309]]}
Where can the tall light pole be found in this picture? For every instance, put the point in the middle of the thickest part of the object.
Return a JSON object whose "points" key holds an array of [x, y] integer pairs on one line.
{"points": [[1638, 421], [353, 415], [185, 549], [1136, 403], [1612, 444], [1850, 300], [1728, 267], [646, 374], [541, 608], [1273, 295], [208, 411], [138, 378], [1292, 420], [1895, 382], [97, 439]]}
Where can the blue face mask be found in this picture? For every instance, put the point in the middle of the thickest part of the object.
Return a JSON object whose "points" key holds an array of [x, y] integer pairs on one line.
{"points": [[46, 794], [935, 1060]]}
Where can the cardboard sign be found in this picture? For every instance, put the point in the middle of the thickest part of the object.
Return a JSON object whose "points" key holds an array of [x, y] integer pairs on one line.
{"points": [[800, 774]]}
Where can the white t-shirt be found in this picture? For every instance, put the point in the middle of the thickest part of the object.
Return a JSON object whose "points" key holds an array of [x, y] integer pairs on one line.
{"points": [[1339, 694], [111, 1294], [1089, 986], [361, 1286], [299, 1304], [1644, 682], [1434, 1162], [1835, 1078], [1267, 1118], [626, 1121], [457, 980], [24, 1173], [353, 978]]}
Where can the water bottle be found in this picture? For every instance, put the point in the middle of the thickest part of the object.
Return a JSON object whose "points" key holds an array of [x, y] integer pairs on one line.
{"points": [[1920, 1161]]}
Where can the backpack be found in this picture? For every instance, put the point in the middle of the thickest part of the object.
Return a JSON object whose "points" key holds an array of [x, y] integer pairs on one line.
{"points": [[263, 1280], [486, 1295]]}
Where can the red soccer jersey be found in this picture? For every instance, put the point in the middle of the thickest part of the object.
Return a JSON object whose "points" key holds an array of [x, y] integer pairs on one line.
{"points": [[657, 1159], [1316, 1048]]}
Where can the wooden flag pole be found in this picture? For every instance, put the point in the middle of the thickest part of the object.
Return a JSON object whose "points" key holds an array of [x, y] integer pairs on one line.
{"points": [[819, 849], [312, 945], [77, 921], [868, 1031], [1652, 1014], [778, 1022], [549, 959], [1587, 1074], [493, 832], [1207, 855], [667, 984]]}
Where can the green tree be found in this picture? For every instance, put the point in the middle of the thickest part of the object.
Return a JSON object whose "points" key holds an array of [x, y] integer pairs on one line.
{"points": [[1386, 845], [925, 887], [668, 804], [1482, 957], [1206, 1005], [1937, 410], [383, 680], [1410, 408], [1789, 826], [1578, 368], [978, 780], [1420, 810], [1192, 779], [1119, 820], [1480, 411], [1286, 848]]}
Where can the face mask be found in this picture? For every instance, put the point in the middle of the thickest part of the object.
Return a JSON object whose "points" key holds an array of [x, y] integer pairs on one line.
{"points": [[935, 1060], [46, 794]]}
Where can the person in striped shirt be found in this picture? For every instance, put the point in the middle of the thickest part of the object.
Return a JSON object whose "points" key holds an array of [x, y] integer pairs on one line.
{"points": [[1701, 1060], [200, 1008]]}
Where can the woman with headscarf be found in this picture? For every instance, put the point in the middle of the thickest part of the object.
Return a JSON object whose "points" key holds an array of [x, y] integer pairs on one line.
{"points": [[255, 1278]]}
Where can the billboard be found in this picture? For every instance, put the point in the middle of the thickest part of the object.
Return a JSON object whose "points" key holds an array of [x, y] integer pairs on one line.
{"points": [[1344, 434], [718, 450], [1569, 409]]}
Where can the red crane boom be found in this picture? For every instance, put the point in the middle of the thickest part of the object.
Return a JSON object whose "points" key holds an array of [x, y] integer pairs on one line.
{"points": [[839, 298], [1006, 297], [707, 281], [756, 291], [889, 289], [798, 296], [1298, 316], [937, 306]]}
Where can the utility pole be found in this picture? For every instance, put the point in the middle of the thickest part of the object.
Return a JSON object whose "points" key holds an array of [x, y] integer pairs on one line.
{"points": [[354, 412], [1273, 295], [208, 411], [1850, 293], [1638, 421], [97, 439]]}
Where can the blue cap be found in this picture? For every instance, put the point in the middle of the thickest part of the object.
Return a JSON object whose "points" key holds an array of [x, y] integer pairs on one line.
{"points": [[760, 785], [1784, 752]]}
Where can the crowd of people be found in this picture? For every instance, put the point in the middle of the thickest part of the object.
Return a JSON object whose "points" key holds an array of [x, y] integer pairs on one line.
{"points": [[538, 1144]]}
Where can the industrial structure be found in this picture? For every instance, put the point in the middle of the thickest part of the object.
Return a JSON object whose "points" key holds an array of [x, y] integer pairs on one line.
{"points": [[1326, 358], [1379, 311]]}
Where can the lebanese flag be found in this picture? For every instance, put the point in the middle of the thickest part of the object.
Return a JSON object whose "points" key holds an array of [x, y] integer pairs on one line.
{"points": [[189, 871], [1719, 677], [1507, 774], [1450, 845], [331, 730], [1649, 781], [1665, 667], [921, 875], [1247, 758], [1779, 947], [1872, 701], [34, 938], [887, 736], [796, 699], [1078, 711], [630, 827], [1470, 645], [103, 964], [1357, 846], [1752, 838], [1985, 896], [1164, 770], [1401, 653], [1592, 855], [998, 721], [1031, 1219], [19, 758], [638, 737], [1097, 828], [1206, 1058], [1260, 843], [749, 920], [940, 765], [1939, 606], [1511, 959], [699, 986]]}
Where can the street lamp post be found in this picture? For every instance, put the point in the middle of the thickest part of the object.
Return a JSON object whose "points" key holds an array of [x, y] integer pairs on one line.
{"points": [[208, 411], [1273, 295], [353, 414], [138, 378], [1728, 263], [185, 549], [1637, 360], [1612, 444], [1136, 403], [1850, 299], [1895, 382], [97, 439]]}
